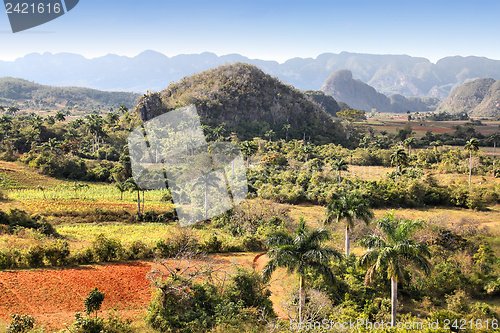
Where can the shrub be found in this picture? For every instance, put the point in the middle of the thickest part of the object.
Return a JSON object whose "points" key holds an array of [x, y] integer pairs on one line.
{"points": [[9, 258], [213, 245], [57, 252], [458, 302], [35, 255], [106, 249], [139, 250], [21, 324]]}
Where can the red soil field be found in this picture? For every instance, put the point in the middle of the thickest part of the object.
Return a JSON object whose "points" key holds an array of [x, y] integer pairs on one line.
{"points": [[54, 296]]}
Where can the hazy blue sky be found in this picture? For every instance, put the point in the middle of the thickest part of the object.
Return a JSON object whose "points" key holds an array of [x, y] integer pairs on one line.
{"points": [[271, 29]]}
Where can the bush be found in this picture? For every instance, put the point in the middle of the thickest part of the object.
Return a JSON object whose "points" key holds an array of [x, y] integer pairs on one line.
{"points": [[35, 255], [21, 324], [458, 302], [57, 252], [213, 245], [106, 249], [139, 250]]}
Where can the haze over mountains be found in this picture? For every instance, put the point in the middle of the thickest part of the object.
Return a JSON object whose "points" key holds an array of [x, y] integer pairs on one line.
{"points": [[388, 74]]}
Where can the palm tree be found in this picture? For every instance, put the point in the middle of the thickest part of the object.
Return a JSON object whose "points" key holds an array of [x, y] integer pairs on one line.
{"points": [[248, 148], [207, 179], [13, 110], [495, 137], [307, 150], [123, 108], [122, 187], [133, 186], [340, 165], [364, 142], [52, 145], [269, 134], [409, 142], [349, 207], [60, 116], [286, 128], [392, 252], [471, 145], [398, 158], [299, 253]]}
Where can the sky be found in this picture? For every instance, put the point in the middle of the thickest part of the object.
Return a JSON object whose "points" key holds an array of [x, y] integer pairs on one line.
{"points": [[270, 30]]}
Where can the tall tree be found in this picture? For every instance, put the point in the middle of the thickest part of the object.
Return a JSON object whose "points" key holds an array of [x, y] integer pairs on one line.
{"points": [[300, 253], [207, 179], [495, 138], [248, 148], [471, 146], [391, 251], [286, 128], [399, 158], [134, 187], [409, 142], [340, 165], [349, 206]]}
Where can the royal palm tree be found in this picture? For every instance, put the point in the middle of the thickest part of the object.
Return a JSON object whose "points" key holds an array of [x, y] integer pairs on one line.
{"points": [[269, 134], [60, 116], [495, 138], [399, 158], [349, 207], [307, 149], [340, 165], [248, 148], [300, 253], [392, 251], [207, 179], [122, 187], [286, 128], [13, 110], [471, 146], [132, 186], [409, 142], [364, 142], [51, 145]]}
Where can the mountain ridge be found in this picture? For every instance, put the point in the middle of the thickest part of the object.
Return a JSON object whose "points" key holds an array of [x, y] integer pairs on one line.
{"points": [[151, 70], [479, 97]]}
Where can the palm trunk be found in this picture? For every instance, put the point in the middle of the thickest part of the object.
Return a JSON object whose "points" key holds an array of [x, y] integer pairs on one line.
{"points": [[494, 156], [338, 172], [138, 203], [302, 298], [470, 168], [394, 301], [347, 240], [143, 201], [409, 151], [206, 201], [396, 181]]}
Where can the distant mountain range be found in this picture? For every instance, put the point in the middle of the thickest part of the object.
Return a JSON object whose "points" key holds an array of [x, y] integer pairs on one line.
{"points": [[388, 74], [480, 97]]}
